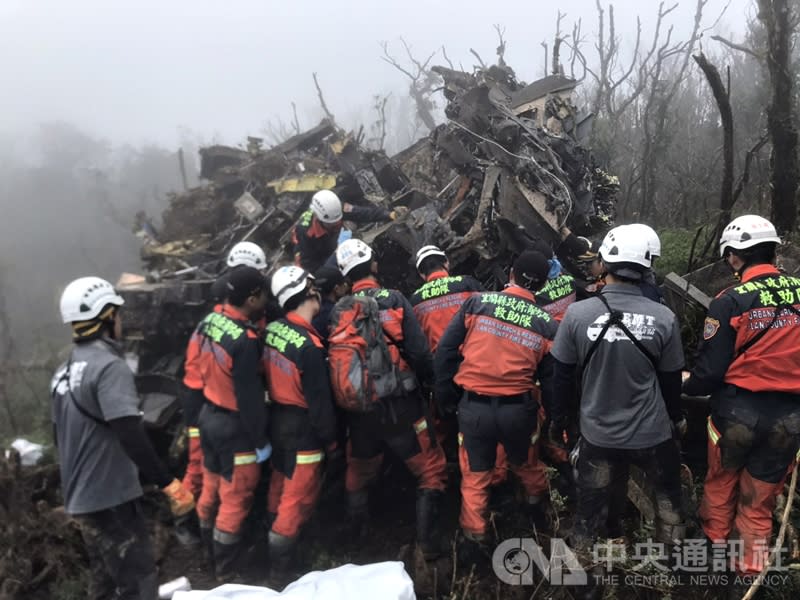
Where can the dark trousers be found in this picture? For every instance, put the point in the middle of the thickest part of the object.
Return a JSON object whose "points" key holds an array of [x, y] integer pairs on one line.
{"points": [[403, 428], [121, 559], [602, 489]]}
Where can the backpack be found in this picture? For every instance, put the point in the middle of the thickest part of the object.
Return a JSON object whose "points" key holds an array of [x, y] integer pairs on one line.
{"points": [[361, 367]]}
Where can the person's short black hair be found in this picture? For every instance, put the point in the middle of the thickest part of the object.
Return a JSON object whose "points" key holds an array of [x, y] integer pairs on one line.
{"points": [[295, 301], [759, 254], [243, 282], [430, 264], [361, 271], [326, 278]]}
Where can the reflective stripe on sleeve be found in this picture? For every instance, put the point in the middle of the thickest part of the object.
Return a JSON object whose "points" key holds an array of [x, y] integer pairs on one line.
{"points": [[713, 433], [193, 432], [421, 425]]}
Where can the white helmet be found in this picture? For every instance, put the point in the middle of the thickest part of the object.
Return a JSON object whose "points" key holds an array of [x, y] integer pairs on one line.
{"points": [[287, 282], [248, 254], [747, 231], [326, 206], [626, 252], [653, 241], [85, 298], [427, 251], [352, 253]]}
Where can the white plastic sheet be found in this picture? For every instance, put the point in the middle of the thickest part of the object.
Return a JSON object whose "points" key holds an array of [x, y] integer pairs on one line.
{"points": [[379, 581], [30, 453]]}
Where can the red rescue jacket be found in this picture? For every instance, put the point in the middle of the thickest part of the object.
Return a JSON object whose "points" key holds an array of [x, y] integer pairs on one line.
{"points": [[736, 316], [494, 344], [297, 372], [438, 300]]}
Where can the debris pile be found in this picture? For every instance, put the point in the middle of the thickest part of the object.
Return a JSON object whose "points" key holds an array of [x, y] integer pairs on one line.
{"points": [[510, 166], [42, 547]]}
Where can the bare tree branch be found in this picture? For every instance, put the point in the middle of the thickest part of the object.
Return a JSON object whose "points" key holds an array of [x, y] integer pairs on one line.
{"points": [[478, 56], [739, 47], [295, 120], [557, 69], [423, 81], [327, 112], [447, 58], [501, 46]]}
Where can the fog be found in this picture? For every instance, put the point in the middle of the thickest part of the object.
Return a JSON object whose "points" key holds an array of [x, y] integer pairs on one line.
{"points": [[138, 72], [98, 96]]}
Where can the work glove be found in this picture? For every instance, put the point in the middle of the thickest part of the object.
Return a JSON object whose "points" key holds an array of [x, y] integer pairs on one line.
{"points": [[555, 434], [181, 500], [263, 454], [398, 213], [575, 454], [335, 459], [679, 428]]}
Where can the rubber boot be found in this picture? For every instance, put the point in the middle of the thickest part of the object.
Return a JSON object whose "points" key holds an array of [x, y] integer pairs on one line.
{"points": [[428, 508], [227, 547], [207, 542], [472, 549], [358, 513], [186, 530], [565, 482], [536, 510], [281, 551]]}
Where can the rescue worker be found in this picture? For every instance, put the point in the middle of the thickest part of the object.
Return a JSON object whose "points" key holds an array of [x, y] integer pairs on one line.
{"points": [[748, 361], [332, 286], [316, 235], [102, 447], [442, 294], [490, 356], [649, 284], [435, 304], [403, 426], [246, 254], [302, 417], [233, 418], [627, 351]]}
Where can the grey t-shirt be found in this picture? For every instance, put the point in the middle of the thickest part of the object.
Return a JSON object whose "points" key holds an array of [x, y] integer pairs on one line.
{"points": [[96, 473], [621, 402]]}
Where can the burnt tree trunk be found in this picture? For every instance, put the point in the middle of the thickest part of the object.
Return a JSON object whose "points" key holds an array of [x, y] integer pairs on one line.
{"points": [[722, 97], [779, 22]]}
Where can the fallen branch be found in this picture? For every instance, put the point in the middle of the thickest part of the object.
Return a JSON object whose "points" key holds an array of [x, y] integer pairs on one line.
{"points": [[779, 542]]}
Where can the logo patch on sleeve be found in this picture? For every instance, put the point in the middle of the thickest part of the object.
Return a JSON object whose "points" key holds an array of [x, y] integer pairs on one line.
{"points": [[710, 328]]}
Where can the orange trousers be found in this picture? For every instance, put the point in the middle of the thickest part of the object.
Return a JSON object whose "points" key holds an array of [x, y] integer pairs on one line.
{"points": [[193, 478], [230, 500], [735, 502], [293, 498], [475, 487]]}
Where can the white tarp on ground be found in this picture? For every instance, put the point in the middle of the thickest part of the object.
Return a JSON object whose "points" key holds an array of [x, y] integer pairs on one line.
{"points": [[30, 454], [381, 581]]}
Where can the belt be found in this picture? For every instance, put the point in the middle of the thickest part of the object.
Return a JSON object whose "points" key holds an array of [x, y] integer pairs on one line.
{"points": [[219, 409], [515, 399]]}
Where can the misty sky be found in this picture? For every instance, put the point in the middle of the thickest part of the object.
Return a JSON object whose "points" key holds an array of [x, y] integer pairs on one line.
{"points": [[138, 71]]}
